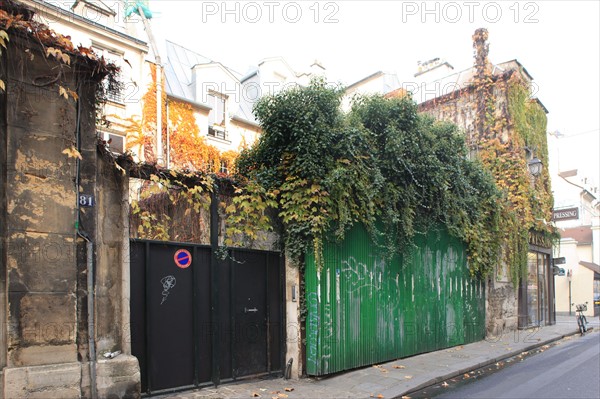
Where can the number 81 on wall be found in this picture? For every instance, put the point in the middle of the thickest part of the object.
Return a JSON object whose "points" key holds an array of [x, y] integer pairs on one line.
{"points": [[86, 200]]}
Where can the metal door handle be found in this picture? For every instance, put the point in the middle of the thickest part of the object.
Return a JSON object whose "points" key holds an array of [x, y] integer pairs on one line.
{"points": [[246, 310]]}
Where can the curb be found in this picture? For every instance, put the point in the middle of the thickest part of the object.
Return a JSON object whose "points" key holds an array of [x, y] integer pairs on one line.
{"points": [[437, 380]]}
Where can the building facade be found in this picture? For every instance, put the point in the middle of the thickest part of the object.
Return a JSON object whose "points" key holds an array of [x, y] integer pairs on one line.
{"points": [[463, 98], [577, 215], [222, 98]]}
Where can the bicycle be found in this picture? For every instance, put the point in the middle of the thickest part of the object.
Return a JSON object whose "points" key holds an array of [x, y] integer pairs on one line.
{"points": [[581, 320]]}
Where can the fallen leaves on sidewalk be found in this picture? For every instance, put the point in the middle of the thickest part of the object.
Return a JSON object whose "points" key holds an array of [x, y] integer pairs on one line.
{"points": [[398, 366], [255, 395], [380, 396], [408, 377], [466, 375], [288, 389], [380, 367]]}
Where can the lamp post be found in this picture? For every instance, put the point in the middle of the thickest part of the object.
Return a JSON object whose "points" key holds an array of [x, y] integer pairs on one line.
{"points": [[535, 166], [569, 278]]}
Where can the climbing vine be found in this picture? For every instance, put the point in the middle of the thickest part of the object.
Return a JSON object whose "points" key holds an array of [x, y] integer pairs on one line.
{"points": [[509, 123], [168, 196], [383, 165], [162, 200]]}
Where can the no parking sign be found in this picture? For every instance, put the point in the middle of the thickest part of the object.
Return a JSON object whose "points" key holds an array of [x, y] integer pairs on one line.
{"points": [[183, 258]]}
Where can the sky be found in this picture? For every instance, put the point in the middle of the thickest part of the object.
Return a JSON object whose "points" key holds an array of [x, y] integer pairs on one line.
{"points": [[558, 42]]}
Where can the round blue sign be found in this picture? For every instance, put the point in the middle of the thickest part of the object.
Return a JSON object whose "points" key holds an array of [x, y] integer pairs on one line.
{"points": [[183, 258]]}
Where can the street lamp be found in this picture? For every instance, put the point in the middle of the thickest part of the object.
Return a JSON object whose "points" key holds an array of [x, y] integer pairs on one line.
{"points": [[535, 166]]}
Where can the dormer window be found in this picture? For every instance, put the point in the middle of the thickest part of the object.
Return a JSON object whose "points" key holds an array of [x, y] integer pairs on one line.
{"points": [[217, 117]]}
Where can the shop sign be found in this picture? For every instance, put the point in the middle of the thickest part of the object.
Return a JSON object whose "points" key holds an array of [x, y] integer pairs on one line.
{"points": [[565, 214]]}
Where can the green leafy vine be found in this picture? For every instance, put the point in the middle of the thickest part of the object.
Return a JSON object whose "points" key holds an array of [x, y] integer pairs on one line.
{"points": [[383, 165]]}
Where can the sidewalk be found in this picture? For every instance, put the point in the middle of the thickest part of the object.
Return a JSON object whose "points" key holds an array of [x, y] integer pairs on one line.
{"points": [[397, 378]]}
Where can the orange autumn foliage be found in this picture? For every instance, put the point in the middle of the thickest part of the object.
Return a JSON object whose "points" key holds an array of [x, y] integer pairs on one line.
{"points": [[187, 148]]}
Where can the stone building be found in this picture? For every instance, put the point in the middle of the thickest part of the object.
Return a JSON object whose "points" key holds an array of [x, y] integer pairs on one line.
{"points": [[63, 212], [480, 101]]}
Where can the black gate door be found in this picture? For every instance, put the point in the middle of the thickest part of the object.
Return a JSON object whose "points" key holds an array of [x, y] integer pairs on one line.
{"points": [[250, 307], [173, 332]]}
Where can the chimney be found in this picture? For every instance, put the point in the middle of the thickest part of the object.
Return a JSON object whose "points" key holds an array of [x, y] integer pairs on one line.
{"points": [[481, 48]]}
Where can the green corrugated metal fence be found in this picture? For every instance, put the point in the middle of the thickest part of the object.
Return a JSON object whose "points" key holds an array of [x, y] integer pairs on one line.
{"points": [[362, 309]]}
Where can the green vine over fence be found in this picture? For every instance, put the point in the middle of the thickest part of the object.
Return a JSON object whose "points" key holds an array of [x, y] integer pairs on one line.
{"points": [[383, 165]]}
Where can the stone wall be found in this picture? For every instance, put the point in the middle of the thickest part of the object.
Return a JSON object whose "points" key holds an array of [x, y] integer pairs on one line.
{"points": [[501, 310], [44, 349]]}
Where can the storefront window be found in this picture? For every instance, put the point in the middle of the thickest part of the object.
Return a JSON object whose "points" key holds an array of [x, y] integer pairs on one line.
{"points": [[536, 293], [542, 284]]}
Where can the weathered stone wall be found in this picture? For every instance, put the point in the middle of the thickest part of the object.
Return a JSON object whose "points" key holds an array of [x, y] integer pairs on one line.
{"points": [[41, 265], [44, 340], [461, 109], [501, 310]]}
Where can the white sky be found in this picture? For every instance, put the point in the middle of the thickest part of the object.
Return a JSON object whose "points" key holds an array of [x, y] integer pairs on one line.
{"points": [[558, 42]]}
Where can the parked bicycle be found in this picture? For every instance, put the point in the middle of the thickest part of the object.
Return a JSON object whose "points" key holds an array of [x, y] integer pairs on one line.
{"points": [[581, 320]]}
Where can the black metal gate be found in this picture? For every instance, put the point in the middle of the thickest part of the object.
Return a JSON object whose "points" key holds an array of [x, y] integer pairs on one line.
{"points": [[194, 323]]}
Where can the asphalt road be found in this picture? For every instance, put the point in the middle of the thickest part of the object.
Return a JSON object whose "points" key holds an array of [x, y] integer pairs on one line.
{"points": [[568, 370]]}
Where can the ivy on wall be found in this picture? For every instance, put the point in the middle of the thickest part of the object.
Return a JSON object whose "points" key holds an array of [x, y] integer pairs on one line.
{"points": [[383, 165], [169, 196], [507, 123], [166, 197]]}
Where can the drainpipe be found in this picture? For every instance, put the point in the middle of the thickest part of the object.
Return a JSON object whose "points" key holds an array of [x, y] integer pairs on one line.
{"points": [[148, 29], [168, 164]]}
